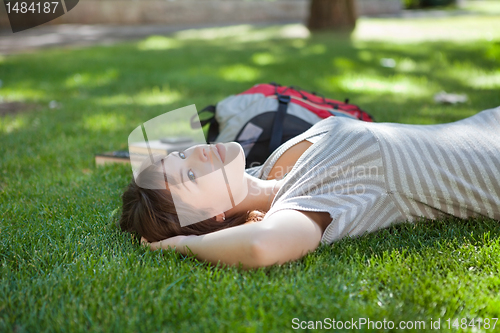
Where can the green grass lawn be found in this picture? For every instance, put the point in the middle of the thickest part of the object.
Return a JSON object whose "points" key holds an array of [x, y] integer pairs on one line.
{"points": [[65, 267]]}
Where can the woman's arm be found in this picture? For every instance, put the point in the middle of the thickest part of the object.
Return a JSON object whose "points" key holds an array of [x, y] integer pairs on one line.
{"points": [[286, 235]]}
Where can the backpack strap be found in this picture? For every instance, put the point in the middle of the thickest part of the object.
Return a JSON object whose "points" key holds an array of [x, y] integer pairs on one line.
{"points": [[279, 118], [213, 128]]}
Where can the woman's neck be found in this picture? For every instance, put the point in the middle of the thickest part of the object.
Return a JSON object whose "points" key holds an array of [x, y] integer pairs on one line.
{"points": [[260, 195]]}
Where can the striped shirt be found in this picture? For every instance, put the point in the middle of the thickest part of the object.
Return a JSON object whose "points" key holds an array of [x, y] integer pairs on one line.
{"points": [[369, 176]]}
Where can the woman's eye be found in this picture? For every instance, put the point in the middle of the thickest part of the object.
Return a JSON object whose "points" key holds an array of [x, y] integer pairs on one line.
{"points": [[181, 154], [191, 175]]}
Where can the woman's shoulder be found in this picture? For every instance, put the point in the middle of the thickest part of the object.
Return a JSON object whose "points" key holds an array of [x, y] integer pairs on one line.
{"points": [[338, 127]]}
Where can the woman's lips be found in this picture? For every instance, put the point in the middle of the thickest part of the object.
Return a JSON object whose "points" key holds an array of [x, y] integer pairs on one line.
{"points": [[221, 150]]}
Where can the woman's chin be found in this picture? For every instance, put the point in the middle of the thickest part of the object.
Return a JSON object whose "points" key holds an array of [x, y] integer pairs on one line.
{"points": [[234, 167], [234, 153]]}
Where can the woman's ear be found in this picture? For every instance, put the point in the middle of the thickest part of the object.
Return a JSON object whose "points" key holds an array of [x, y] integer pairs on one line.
{"points": [[220, 218]]}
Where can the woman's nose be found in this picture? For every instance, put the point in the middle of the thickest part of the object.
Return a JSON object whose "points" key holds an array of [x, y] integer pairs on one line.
{"points": [[201, 152]]}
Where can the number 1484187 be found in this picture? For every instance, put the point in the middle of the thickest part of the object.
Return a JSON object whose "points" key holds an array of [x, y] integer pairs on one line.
{"points": [[38, 8], [464, 323]]}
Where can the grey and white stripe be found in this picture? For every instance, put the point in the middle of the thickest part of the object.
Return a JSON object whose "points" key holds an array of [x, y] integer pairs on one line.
{"points": [[368, 176]]}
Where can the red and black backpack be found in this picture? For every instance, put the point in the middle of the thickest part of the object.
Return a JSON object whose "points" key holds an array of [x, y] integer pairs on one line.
{"points": [[267, 115]]}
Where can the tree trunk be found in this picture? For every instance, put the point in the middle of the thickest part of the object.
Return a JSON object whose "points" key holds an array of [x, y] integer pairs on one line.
{"points": [[332, 15]]}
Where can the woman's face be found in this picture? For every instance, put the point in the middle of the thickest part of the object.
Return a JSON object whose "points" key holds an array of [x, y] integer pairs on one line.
{"points": [[208, 177]]}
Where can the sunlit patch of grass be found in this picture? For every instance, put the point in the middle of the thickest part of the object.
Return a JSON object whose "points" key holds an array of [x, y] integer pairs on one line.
{"points": [[20, 93], [263, 58], [489, 7], [406, 65], [475, 77], [313, 49], [493, 51], [239, 73], [345, 64], [118, 99], [378, 84], [214, 33], [393, 59], [456, 29], [156, 96], [299, 43], [486, 81], [9, 124], [104, 121], [158, 43], [294, 31], [245, 33], [146, 97], [90, 80], [365, 55]]}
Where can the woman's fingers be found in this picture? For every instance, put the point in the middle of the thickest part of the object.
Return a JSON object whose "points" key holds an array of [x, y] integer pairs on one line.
{"points": [[166, 244], [144, 241], [152, 246]]}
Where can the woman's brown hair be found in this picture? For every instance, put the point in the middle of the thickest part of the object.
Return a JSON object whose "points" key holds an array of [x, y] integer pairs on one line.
{"points": [[151, 212]]}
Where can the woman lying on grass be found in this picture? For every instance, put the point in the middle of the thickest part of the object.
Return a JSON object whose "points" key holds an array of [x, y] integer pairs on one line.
{"points": [[342, 177]]}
